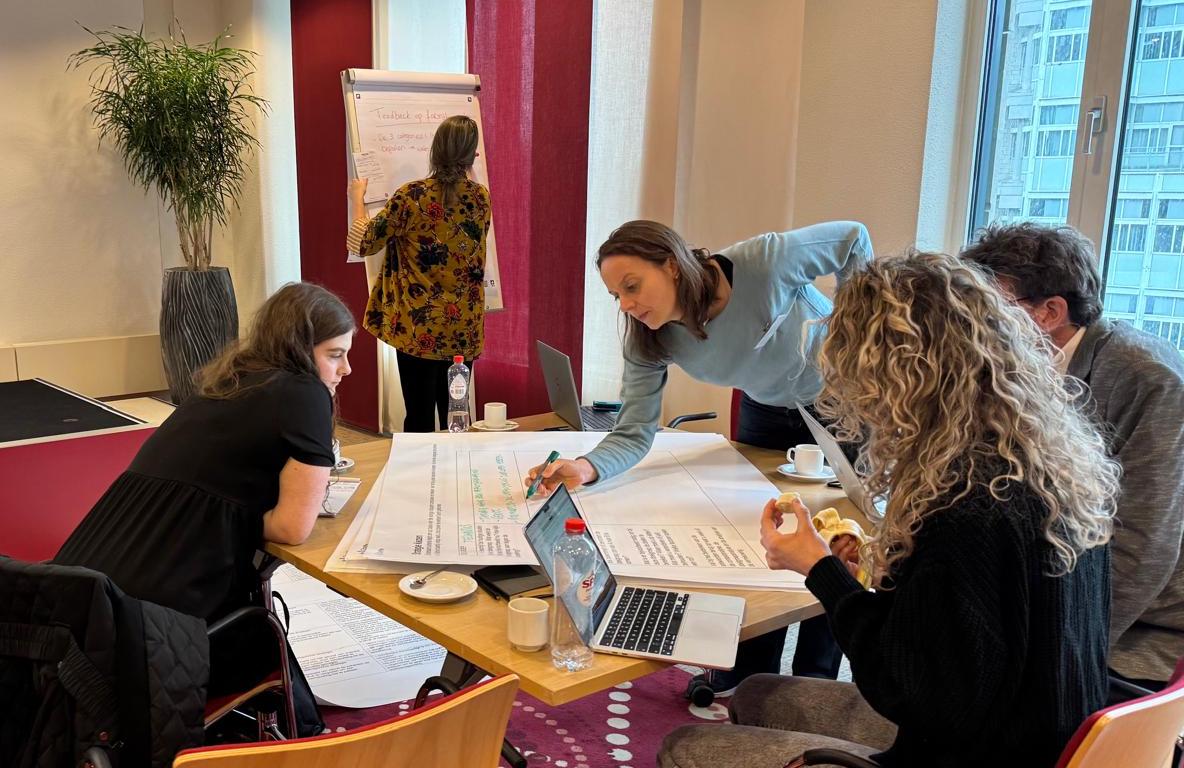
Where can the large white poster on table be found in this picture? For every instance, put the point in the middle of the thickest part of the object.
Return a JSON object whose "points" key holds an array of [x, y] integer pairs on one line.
{"points": [[688, 513]]}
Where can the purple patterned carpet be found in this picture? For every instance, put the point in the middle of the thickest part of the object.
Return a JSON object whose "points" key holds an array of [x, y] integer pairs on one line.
{"points": [[618, 728]]}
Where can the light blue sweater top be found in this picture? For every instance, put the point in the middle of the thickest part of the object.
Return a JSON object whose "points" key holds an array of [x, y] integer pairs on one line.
{"points": [[762, 342]]}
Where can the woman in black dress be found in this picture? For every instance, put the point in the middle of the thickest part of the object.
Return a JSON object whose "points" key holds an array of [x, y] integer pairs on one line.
{"points": [[243, 461]]}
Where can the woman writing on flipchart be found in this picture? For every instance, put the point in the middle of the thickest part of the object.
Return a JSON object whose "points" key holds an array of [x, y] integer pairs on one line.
{"points": [[428, 301], [741, 318]]}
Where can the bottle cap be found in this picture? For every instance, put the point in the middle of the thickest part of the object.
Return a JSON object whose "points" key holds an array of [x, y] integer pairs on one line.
{"points": [[575, 525], [458, 358]]}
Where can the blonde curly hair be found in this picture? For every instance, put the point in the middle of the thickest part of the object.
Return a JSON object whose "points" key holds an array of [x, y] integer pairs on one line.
{"points": [[948, 387]]}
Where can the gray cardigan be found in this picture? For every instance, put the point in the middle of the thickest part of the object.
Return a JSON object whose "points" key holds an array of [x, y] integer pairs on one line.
{"points": [[1136, 384]]}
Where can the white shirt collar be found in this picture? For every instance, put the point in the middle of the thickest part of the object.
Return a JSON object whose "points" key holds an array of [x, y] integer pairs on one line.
{"points": [[1064, 355]]}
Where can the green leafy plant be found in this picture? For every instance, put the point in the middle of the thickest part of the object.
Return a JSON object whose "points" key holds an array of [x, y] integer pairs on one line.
{"points": [[180, 115]]}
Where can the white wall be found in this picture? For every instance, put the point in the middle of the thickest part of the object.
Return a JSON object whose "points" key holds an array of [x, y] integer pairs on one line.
{"points": [[85, 248], [865, 87], [739, 144], [82, 252]]}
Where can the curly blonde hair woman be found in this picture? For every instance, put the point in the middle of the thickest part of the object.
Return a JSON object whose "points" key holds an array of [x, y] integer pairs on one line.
{"points": [[986, 640], [947, 387]]}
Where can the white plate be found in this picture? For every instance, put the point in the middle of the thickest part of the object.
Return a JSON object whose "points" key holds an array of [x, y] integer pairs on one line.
{"points": [[509, 426], [343, 465], [825, 476], [444, 587]]}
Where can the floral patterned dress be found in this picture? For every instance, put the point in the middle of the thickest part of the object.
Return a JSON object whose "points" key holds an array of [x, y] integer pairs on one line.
{"points": [[429, 298]]}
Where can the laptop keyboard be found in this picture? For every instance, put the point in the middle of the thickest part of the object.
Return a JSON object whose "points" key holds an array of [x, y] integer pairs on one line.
{"points": [[597, 421], [646, 620]]}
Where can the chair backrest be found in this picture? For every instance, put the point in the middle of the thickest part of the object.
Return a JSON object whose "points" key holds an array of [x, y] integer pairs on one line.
{"points": [[465, 728], [1141, 732]]}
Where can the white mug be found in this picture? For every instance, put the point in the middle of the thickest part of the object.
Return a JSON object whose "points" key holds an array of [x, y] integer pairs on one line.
{"points": [[495, 414], [528, 628], [336, 452], [806, 458]]}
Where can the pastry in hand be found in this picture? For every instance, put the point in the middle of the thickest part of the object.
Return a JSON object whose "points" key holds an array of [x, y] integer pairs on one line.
{"points": [[830, 525]]}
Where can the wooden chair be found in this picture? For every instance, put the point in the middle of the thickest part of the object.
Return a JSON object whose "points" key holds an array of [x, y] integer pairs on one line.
{"points": [[465, 728], [1139, 732]]}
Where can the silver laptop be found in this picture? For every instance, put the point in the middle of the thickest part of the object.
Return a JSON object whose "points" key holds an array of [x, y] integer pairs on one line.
{"points": [[686, 627], [565, 400], [850, 480]]}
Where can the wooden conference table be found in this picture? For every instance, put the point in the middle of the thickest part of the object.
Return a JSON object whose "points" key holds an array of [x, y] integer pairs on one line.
{"points": [[473, 630]]}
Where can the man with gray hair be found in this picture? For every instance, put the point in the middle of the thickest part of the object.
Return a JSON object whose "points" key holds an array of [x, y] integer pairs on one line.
{"points": [[1136, 397]]}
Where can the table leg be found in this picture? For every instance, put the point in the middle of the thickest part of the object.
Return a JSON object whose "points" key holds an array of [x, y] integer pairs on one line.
{"points": [[462, 673]]}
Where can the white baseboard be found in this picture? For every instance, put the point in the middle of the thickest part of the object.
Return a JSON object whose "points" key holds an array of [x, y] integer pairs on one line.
{"points": [[98, 367]]}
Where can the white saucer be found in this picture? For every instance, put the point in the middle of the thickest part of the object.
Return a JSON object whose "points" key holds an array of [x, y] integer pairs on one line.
{"points": [[509, 426], [444, 587], [343, 465], [825, 476]]}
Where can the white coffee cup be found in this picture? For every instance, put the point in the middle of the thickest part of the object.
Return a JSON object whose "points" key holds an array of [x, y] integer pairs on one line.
{"points": [[495, 415], [336, 452], [529, 627], [807, 459]]}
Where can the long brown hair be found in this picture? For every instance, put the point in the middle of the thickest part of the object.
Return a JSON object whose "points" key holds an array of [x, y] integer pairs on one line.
{"points": [[949, 388], [695, 289], [454, 150], [283, 333]]}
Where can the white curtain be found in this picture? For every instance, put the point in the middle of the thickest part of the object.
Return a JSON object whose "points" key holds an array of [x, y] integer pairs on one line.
{"points": [[694, 124]]}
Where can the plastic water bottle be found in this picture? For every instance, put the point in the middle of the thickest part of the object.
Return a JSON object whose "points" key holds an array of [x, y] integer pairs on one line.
{"points": [[458, 395], [575, 574]]}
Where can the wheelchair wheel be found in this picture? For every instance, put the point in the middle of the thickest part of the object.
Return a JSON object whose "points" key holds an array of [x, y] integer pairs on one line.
{"points": [[700, 692]]}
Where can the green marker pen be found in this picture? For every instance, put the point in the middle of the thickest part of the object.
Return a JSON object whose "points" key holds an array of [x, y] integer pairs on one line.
{"points": [[539, 477]]}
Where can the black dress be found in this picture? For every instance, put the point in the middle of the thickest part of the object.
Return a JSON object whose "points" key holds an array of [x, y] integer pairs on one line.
{"points": [[180, 527]]}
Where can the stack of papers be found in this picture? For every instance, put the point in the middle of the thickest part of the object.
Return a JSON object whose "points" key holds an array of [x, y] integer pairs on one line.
{"points": [[337, 494], [687, 514]]}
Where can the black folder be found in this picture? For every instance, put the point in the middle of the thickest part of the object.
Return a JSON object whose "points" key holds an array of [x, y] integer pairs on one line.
{"points": [[505, 581]]}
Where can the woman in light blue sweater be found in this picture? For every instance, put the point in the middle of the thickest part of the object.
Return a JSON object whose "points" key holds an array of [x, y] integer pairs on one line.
{"points": [[741, 318]]}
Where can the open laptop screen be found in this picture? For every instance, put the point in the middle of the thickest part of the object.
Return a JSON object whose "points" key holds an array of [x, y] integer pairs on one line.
{"points": [[850, 480], [546, 528]]}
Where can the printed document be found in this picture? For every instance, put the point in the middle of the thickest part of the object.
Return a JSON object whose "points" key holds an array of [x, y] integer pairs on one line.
{"points": [[689, 512]]}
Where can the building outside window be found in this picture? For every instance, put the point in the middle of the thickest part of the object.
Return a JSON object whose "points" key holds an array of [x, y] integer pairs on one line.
{"points": [[1036, 133]]}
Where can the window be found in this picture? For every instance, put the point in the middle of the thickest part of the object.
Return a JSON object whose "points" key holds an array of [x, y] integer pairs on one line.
{"points": [[1037, 51], [1064, 49], [1171, 209], [1055, 143], [1173, 332], [1163, 15], [1068, 18], [1129, 237], [1062, 114], [1162, 45], [1051, 207], [1121, 302], [1134, 209], [1031, 110], [1157, 112], [1168, 306], [1169, 238]]}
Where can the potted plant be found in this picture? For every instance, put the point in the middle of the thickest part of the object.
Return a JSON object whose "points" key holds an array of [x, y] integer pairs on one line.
{"points": [[180, 116]]}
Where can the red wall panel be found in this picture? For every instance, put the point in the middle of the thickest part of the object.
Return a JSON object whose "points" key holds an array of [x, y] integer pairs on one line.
{"points": [[327, 37], [534, 58], [51, 485]]}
